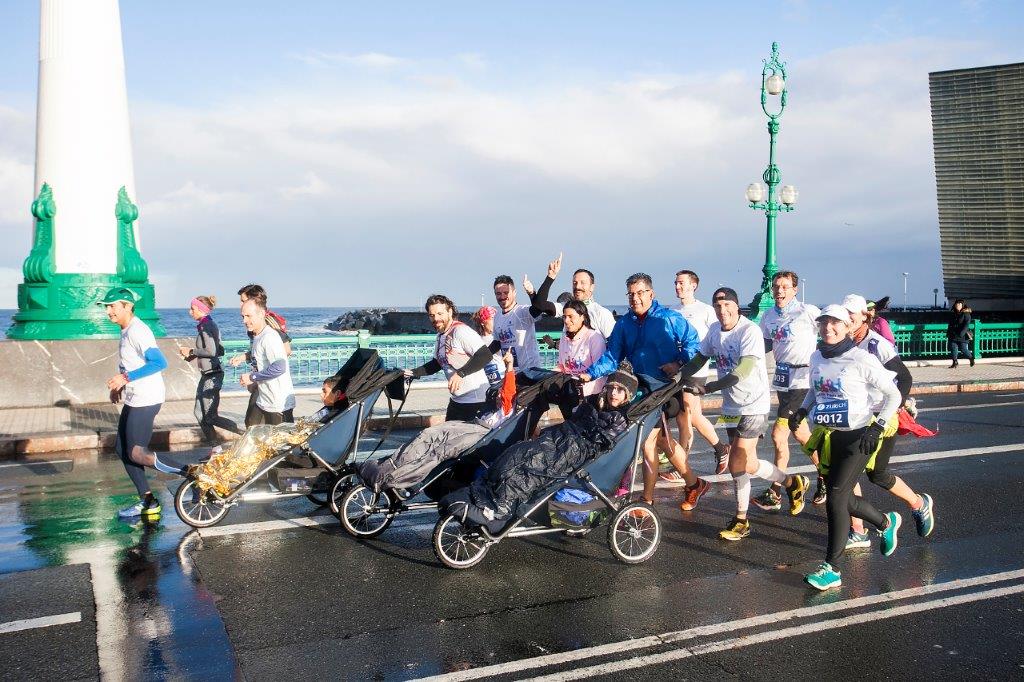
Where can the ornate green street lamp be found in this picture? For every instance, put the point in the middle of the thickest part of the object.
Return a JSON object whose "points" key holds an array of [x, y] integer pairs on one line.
{"points": [[773, 82]]}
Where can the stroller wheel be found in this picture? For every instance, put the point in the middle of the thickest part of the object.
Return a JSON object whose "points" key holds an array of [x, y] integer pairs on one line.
{"points": [[364, 513], [456, 545], [634, 533], [198, 509], [338, 490]]}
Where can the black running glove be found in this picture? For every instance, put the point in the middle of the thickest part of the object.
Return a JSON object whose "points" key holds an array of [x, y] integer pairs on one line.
{"points": [[796, 419], [872, 435]]}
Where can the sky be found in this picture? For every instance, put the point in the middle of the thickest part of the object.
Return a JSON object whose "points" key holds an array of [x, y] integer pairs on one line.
{"points": [[370, 154]]}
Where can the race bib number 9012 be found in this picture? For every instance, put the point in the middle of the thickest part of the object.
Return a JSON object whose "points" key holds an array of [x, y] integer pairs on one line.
{"points": [[835, 413]]}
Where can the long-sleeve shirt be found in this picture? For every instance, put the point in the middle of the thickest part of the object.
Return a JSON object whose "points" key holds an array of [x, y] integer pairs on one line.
{"points": [[208, 350], [660, 337]]}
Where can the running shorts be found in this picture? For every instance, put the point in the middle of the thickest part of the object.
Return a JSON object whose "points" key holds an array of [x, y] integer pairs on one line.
{"points": [[749, 426], [790, 402]]}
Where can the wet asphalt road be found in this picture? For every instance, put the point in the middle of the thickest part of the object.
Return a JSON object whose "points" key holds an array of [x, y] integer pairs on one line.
{"points": [[251, 599]]}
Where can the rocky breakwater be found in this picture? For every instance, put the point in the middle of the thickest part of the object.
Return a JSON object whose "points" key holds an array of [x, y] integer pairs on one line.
{"points": [[373, 320]]}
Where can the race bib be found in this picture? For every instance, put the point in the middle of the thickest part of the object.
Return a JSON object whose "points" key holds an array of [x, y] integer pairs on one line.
{"points": [[782, 375], [835, 413], [729, 421]]}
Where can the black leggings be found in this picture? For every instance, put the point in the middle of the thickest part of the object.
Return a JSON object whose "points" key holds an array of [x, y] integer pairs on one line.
{"points": [[208, 405], [135, 429], [880, 475], [847, 464]]}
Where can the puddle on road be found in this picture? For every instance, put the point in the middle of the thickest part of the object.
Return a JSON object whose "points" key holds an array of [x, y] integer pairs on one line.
{"points": [[155, 620]]}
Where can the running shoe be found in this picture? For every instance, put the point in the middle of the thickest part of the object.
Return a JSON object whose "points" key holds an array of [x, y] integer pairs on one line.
{"points": [[820, 494], [857, 540], [889, 539], [694, 493], [736, 530], [924, 517], [672, 477], [824, 578], [132, 511], [151, 510], [721, 457], [797, 491], [769, 500]]}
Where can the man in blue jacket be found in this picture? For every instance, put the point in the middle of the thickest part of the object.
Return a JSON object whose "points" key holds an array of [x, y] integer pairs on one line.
{"points": [[658, 341]]}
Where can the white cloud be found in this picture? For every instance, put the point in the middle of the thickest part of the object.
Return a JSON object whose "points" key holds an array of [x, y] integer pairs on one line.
{"points": [[313, 187], [640, 172], [373, 60]]}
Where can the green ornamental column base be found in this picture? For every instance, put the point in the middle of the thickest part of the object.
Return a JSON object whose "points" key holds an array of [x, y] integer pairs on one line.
{"points": [[763, 300], [65, 308]]}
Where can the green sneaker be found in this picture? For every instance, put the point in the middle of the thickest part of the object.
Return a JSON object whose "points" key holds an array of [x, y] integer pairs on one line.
{"points": [[151, 510], [824, 578], [888, 535], [769, 500]]}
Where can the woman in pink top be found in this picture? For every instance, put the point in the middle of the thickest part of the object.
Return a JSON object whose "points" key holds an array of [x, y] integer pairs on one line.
{"points": [[579, 347], [879, 323]]}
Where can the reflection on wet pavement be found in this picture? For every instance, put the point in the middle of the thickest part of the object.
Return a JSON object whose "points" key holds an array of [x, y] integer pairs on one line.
{"points": [[154, 618]]}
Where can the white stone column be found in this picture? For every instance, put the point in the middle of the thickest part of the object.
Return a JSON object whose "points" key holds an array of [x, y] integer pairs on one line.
{"points": [[83, 143]]}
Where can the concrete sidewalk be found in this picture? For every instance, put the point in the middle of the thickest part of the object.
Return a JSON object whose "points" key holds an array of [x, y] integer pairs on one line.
{"points": [[77, 427]]}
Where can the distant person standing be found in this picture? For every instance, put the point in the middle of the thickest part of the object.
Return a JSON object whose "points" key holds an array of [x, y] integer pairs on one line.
{"points": [[207, 354], [272, 378], [141, 386], [958, 332], [277, 323]]}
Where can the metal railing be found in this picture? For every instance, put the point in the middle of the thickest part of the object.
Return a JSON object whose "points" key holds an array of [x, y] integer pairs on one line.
{"points": [[313, 359]]}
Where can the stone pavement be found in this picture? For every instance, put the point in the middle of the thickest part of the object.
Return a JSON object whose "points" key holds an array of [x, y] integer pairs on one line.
{"points": [[52, 429]]}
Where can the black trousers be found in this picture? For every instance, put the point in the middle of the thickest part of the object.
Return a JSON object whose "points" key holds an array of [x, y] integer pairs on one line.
{"points": [[847, 465], [208, 405], [135, 429]]}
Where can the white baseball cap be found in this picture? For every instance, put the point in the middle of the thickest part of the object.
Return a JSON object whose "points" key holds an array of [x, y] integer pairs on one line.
{"points": [[836, 311], [855, 303]]}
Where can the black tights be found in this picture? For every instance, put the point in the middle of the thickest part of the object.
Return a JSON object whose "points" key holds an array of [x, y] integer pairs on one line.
{"points": [[847, 464], [135, 429]]}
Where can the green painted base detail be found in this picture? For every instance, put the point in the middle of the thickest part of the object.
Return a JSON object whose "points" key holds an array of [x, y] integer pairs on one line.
{"points": [[65, 308], [61, 306]]}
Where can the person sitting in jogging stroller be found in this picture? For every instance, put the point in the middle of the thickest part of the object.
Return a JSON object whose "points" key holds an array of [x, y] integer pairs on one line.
{"points": [[530, 466]]}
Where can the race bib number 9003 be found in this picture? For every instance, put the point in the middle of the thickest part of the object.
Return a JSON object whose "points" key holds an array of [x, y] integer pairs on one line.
{"points": [[782, 375], [834, 413]]}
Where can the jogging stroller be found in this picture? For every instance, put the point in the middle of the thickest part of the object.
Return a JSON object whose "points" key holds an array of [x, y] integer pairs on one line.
{"points": [[319, 468], [366, 512], [634, 530]]}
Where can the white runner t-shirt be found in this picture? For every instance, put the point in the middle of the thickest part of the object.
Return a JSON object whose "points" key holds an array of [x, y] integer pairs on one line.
{"points": [[601, 318], [277, 394], [575, 355], [700, 316], [517, 330], [794, 336], [881, 348], [452, 350], [136, 339], [845, 389], [751, 396]]}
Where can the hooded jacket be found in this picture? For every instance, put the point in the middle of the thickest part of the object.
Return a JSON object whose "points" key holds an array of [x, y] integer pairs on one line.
{"points": [[662, 336]]}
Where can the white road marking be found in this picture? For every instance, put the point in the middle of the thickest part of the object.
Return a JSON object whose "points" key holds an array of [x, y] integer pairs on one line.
{"points": [[44, 622], [917, 457], [301, 522], [969, 407], [36, 464], [632, 645], [770, 636]]}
